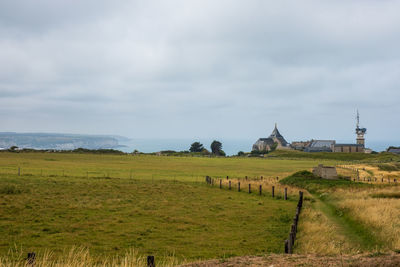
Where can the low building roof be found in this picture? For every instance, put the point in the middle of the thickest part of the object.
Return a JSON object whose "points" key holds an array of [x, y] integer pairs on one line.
{"points": [[394, 150], [322, 143]]}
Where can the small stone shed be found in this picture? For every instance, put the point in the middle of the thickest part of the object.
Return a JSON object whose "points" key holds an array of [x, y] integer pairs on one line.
{"points": [[325, 172]]}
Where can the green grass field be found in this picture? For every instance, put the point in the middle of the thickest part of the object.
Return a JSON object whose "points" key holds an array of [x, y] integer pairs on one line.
{"points": [[158, 205], [188, 220], [148, 167]]}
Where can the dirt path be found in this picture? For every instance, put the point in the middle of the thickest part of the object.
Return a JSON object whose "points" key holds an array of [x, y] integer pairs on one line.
{"points": [[277, 260]]}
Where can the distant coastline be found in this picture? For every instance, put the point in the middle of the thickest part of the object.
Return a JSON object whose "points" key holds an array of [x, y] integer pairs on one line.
{"points": [[62, 141], [59, 141]]}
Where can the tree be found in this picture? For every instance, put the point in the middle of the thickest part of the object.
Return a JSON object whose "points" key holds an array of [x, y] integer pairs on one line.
{"points": [[240, 153], [216, 147], [13, 148], [196, 147]]}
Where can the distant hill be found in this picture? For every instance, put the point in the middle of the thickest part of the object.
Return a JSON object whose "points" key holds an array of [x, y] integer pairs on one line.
{"points": [[58, 141]]}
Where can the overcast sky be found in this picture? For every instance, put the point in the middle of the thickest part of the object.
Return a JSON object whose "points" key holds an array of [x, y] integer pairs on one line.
{"points": [[201, 69]]}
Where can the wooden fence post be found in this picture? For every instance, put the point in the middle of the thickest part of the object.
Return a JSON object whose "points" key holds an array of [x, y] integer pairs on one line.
{"points": [[285, 193], [290, 243], [31, 258], [220, 184], [249, 188], [260, 189], [273, 191], [286, 246], [150, 261], [238, 186]]}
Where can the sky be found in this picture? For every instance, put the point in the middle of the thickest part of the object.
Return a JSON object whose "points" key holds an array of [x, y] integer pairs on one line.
{"points": [[201, 69]]}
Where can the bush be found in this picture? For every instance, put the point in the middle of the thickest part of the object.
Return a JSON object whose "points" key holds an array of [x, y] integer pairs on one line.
{"points": [[9, 190], [205, 152], [389, 167], [222, 153], [314, 184], [258, 152], [98, 151]]}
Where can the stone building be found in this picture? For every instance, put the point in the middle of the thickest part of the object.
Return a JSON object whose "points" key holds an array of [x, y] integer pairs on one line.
{"points": [[325, 172], [274, 140], [349, 148], [395, 150]]}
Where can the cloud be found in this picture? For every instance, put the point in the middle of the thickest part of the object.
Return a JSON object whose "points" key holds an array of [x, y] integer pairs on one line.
{"points": [[198, 68]]}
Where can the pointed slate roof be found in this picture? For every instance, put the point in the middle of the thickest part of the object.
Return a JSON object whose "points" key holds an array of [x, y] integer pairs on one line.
{"points": [[276, 134]]}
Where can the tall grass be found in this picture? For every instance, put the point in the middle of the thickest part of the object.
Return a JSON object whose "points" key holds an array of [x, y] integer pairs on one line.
{"points": [[319, 235], [81, 257], [380, 214]]}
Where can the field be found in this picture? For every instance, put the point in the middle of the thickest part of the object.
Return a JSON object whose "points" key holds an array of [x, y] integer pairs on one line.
{"points": [[155, 205], [121, 208], [355, 216]]}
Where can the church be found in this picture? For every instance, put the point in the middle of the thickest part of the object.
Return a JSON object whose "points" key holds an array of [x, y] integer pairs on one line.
{"points": [[274, 141]]}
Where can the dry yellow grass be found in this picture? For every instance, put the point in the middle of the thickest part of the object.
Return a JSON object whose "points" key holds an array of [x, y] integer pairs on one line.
{"points": [[319, 235], [266, 183], [367, 171], [81, 257], [380, 215]]}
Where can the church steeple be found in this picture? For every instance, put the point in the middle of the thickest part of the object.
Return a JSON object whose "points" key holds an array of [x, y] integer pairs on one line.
{"points": [[275, 132]]}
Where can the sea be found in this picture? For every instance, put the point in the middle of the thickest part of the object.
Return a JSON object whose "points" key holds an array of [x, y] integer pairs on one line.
{"points": [[230, 146]]}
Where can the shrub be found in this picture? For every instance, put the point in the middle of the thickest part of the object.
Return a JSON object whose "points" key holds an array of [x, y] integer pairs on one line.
{"points": [[314, 184], [240, 153], [9, 190]]}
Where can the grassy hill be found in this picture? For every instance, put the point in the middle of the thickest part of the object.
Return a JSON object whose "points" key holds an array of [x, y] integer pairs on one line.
{"points": [[360, 157]]}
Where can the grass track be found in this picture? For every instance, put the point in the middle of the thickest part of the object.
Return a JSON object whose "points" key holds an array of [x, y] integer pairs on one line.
{"points": [[357, 234]]}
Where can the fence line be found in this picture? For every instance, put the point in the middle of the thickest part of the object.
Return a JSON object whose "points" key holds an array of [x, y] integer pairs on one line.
{"points": [[211, 181], [289, 243]]}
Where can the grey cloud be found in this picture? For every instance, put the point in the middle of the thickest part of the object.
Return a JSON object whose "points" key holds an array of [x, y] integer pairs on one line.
{"points": [[201, 68]]}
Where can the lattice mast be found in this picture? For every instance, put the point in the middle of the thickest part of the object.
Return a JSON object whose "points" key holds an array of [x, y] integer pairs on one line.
{"points": [[360, 131]]}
